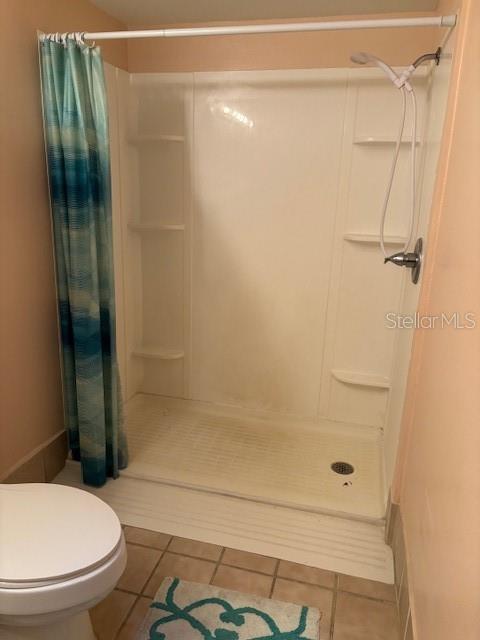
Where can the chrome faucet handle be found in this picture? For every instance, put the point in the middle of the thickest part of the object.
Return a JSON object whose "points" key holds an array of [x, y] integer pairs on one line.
{"points": [[412, 260]]}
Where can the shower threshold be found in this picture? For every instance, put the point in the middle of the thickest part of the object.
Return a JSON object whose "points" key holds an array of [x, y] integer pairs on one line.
{"points": [[258, 456]]}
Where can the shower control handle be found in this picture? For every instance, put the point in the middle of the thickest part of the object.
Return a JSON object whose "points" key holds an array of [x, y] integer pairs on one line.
{"points": [[402, 259], [412, 260]]}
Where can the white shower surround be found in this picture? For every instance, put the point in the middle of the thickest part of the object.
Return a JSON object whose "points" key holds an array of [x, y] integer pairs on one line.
{"points": [[247, 272]]}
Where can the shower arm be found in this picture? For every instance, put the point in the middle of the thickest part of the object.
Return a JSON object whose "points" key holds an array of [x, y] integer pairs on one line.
{"points": [[429, 56], [405, 75]]}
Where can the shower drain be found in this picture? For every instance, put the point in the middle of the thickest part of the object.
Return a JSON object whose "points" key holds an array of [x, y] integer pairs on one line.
{"points": [[343, 468]]}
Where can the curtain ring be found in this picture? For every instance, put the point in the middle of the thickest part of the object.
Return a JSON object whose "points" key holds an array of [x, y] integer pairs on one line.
{"points": [[81, 35]]}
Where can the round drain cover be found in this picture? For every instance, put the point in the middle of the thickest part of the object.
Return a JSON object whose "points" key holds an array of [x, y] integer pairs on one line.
{"points": [[343, 468]]}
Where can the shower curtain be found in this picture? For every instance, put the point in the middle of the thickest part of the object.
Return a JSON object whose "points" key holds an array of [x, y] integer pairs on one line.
{"points": [[76, 132]]}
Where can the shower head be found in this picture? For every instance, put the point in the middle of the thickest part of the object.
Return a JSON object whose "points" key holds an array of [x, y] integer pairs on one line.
{"points": [[360, 57]]}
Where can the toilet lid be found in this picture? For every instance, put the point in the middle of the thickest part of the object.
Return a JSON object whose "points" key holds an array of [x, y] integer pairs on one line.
{"points": [[48, 531]]}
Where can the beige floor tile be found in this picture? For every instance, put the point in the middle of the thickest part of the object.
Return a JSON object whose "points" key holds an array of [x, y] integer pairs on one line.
{"points": [[252, 561], [135, 619], [109, 615], [358, 618], [194, 548], [241, 580], [307, 594], [302, 573], [147, 538], [182, 567], [140, 564], [370, 588]]}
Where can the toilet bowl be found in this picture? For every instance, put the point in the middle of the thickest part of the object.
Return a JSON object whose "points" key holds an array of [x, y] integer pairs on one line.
{"points": [[62, 551]]}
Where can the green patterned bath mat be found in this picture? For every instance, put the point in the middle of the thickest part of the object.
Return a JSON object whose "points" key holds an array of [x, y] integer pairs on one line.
{"points": [[189, 611]]}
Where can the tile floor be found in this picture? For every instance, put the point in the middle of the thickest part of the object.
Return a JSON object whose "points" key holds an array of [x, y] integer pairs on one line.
{"points": [[351, 608]]}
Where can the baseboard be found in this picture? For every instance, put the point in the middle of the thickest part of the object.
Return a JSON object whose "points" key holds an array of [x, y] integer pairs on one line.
{"points": [[395, 538], [390, 520], [42, 464]]}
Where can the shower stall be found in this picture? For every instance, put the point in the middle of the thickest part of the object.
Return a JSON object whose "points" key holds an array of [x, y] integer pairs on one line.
{"points": [[257, 326]]}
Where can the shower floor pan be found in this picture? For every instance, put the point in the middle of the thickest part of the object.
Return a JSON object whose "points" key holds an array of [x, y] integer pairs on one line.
{"points": [[257, 456]]}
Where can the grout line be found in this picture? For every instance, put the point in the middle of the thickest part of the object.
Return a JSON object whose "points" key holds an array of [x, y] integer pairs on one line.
{"points": [[307, 584], [145, 546], [275, 573], [155, 567], [261, 573], [132, 593], [187, 555], [130, 610], [219, 561], [334, 606], [225, 564], [360, 595]]}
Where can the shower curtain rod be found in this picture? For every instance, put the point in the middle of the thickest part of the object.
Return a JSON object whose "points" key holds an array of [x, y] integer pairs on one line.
{"points": [[435, 21]]}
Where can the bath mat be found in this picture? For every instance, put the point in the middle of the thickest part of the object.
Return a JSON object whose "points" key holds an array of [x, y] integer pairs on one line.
{"points": [[189, 611]]}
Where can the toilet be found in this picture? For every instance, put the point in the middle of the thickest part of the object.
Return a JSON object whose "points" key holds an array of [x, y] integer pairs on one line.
{"points": [[62, 551]]}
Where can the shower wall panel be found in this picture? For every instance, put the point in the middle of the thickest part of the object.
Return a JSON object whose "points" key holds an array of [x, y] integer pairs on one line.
{"points": [[248, 254], [267, 159], [153, 123], [434, 116], [359, 346]]}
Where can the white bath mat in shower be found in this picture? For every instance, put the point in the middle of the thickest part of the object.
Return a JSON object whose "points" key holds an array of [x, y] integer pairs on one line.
{"points": [[184, 610]]}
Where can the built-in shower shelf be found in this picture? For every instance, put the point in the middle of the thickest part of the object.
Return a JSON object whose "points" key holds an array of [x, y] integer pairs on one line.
{"points": [[158, 354], [361, 379], [155, 138], [154, 226], [379, 140], [369, 238]]}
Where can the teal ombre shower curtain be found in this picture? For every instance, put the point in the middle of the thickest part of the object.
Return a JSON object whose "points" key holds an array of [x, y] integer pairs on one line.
{"points": [[76, 132]]}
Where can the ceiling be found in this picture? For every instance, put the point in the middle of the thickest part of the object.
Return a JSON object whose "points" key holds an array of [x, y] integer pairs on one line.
{"points": [[155, 12]]}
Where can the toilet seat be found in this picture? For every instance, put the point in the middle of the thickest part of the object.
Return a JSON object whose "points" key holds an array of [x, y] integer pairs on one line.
{"points": [[53, 533], [66, 552], [30, 605], [30, 584]]}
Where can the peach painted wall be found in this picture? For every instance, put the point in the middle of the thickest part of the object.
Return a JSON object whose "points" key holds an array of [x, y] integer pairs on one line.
{"points": [[445, 7], [438, 479], [30, 393], [280, 51]]}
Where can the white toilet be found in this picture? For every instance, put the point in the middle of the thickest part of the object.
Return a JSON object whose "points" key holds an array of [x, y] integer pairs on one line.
{"points": [[62, 550]]}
